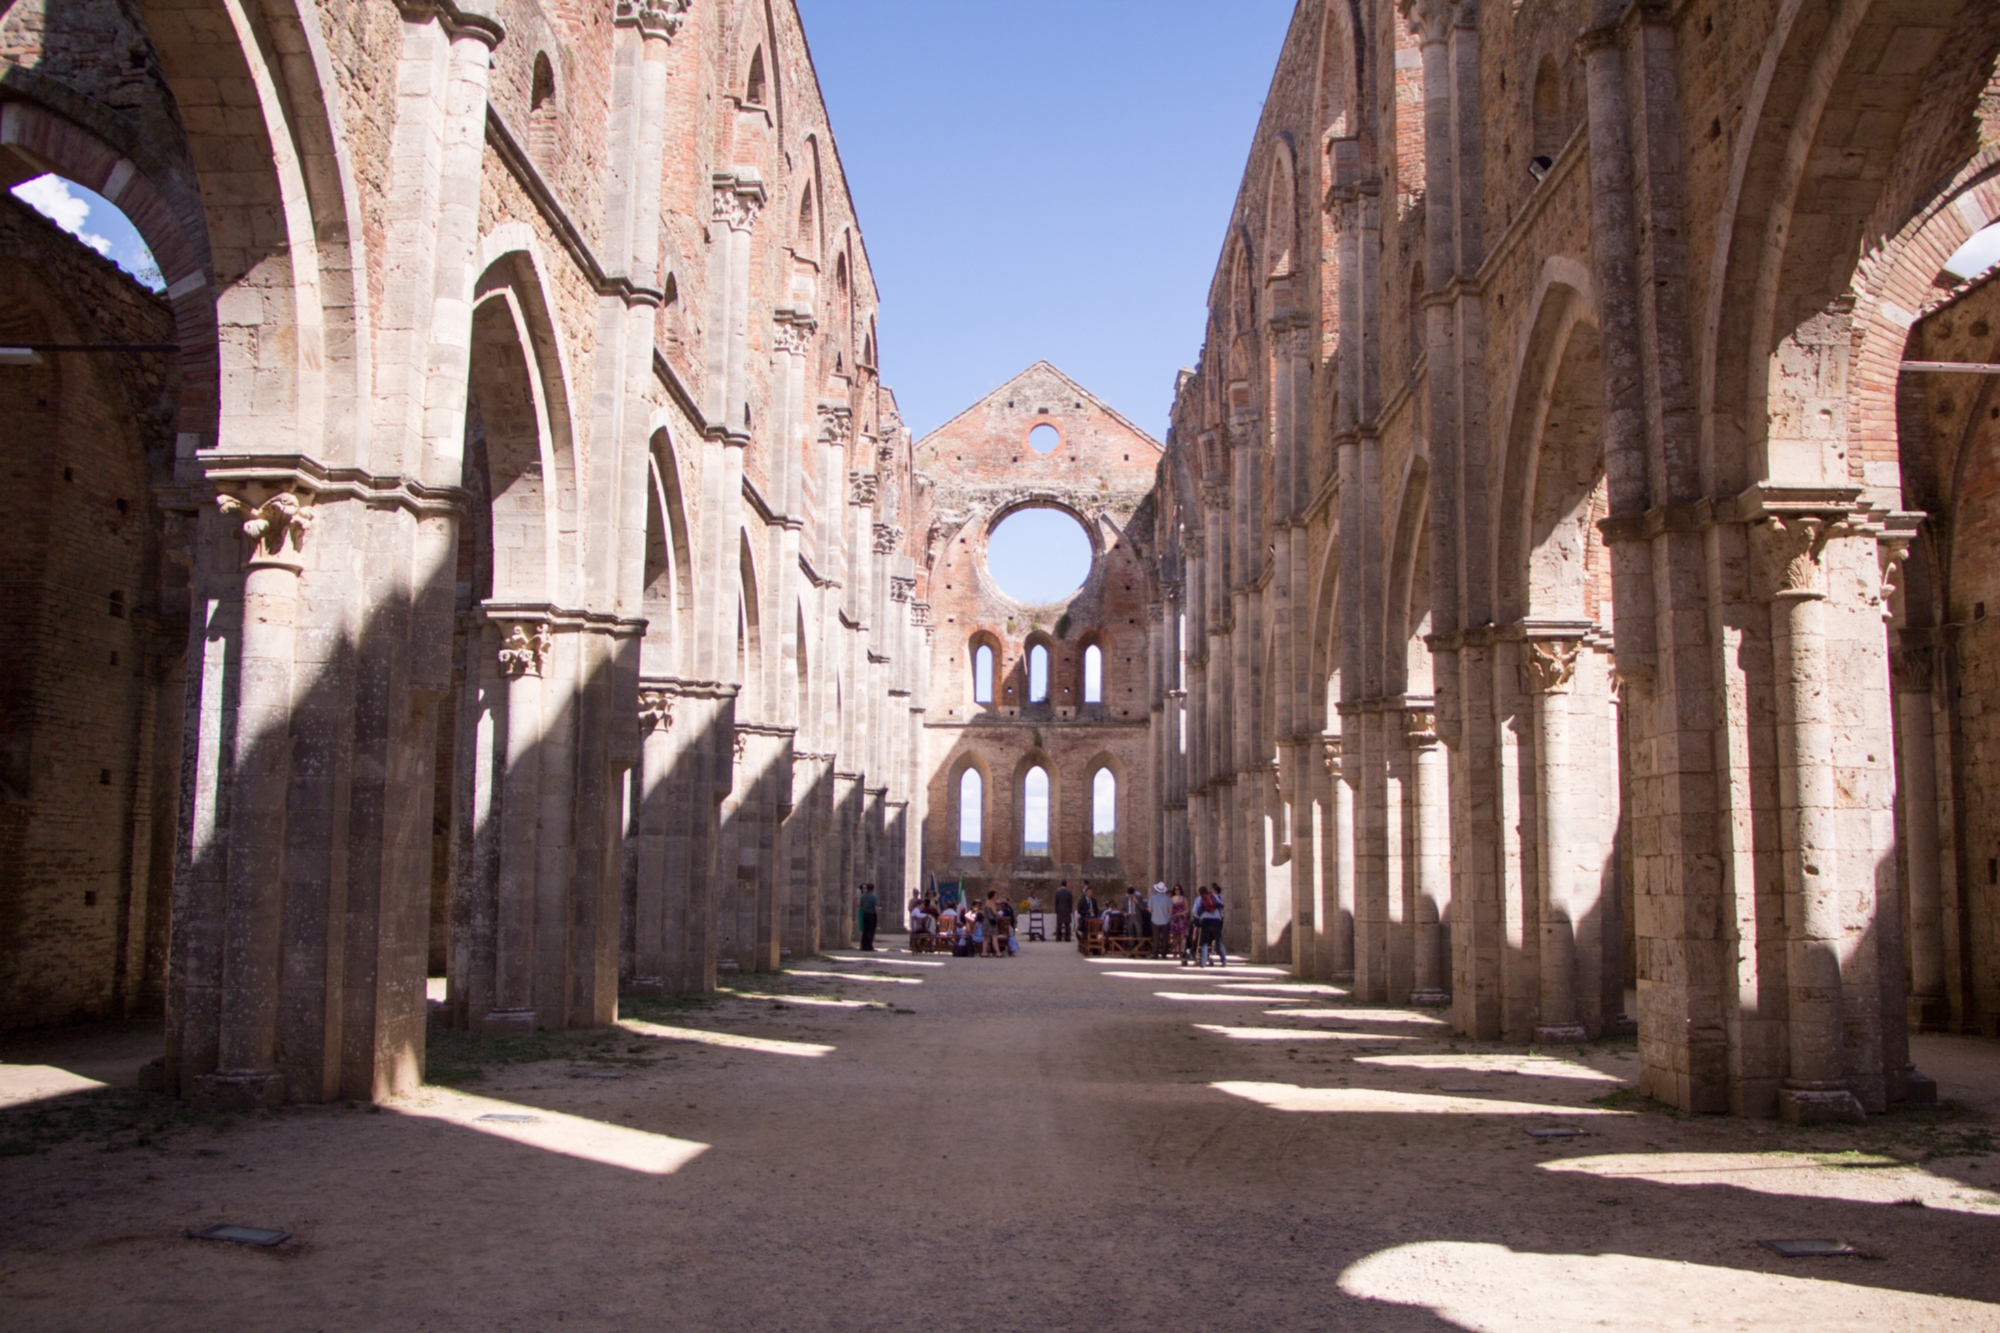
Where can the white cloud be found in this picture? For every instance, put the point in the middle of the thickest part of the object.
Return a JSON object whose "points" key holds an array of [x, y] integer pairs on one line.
{"points": [[1976, 255], [50, 196]]}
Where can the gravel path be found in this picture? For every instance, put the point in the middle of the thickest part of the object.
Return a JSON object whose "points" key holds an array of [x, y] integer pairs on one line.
{"points": [[1045, 1142]]}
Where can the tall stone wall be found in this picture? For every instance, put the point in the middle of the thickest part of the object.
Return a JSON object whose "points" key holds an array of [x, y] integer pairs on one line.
{"points": [[522, 507], [1542, 515]]}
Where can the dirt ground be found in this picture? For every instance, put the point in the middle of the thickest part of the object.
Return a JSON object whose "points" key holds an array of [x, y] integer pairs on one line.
{"points": [[1042, 1143]]}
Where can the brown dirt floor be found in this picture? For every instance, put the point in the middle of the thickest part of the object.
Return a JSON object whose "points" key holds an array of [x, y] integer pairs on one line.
{"points": [[1040, 1143]]}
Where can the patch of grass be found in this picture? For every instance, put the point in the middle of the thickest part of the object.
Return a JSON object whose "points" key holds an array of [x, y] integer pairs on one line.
{"points": [[114, 1119]]}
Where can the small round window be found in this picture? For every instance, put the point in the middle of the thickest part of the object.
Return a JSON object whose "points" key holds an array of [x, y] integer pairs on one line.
{"points": [[1044, 439], [1039, 555]]}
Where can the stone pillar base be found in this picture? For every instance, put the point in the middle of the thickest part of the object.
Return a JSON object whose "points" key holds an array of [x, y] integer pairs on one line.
{"points": [[1430, 999], [1563, 1034], [238, 1090], [1929, 1013], [1803, 1107], [1919, 1089], [1344, 978], [646, 986], [507, 1023]]}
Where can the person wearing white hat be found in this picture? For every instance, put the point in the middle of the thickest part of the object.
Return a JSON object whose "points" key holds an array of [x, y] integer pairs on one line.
{"points": [[1160, 906]]}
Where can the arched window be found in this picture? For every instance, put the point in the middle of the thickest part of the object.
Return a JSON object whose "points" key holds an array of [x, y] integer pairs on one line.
{"points": [[1093, 675], [1180, 672], [1104, 814], [542, 113], [1548, 130], [982, 674], [754, 89], [1038, 674], [971, 814], [1035, 813]]}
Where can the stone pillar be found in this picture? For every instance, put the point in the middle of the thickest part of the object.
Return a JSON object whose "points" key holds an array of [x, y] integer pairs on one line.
{"points": [[1916, 752], [1551, 668], [523, 656], [246, 1071], [1431, 852], [1340, 861], [1815, 1089]]}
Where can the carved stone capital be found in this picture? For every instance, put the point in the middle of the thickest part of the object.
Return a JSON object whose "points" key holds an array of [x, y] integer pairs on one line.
{"points": [[1550, 664], [1913, 668], [738, 200], [524, 649], [656, 711], [654, 18], [276, 528], [1333, 752], [742, 744], [901, 590], [920, 614], [862, 488], [792, 333], [836, 424], [888, 538], [1215, 495], [1420, 727], [1792, 549], [1893, 553]]}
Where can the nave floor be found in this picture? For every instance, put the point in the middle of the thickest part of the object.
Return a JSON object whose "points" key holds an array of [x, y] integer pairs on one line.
{"points": [[895, 1142]]}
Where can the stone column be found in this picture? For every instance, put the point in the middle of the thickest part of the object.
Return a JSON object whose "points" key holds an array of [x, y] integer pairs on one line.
{"points": [[1430, 850], [1916, 746], [246, 1073], [1551, 669], [523, 655], [1815, 1089], [1340, 861]]}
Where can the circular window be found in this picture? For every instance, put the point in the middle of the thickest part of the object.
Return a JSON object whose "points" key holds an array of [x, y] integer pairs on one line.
{"points": [[1039, 555], [1044, 439]]}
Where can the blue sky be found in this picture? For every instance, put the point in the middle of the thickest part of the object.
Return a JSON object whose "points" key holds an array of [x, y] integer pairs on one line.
{"points": [[1043, 178], [94, 221]]}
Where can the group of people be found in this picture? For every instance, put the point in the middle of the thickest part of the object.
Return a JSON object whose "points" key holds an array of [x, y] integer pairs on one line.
{"points": [[1172, 923], [967, 930]]}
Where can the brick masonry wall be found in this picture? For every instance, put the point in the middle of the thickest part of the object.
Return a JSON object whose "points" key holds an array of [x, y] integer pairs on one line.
{"points": [[973, 472], [78, 544]]}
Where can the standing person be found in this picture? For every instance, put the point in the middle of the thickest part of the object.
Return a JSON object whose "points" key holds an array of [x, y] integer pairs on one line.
{"points": [[870, 914], [1179, 924], [1160, 910], [1208, 920], [1065, 902], [1137, 922]]}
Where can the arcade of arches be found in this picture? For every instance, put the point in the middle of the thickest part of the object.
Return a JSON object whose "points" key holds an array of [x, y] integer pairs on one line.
{"points": [[1561, 599]]}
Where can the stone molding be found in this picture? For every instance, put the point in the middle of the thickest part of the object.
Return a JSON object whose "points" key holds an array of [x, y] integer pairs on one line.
{"points": [[232, 472], [690, 689], [458, 20]]}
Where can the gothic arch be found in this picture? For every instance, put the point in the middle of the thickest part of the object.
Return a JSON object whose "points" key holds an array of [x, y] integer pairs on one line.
{"points": [[669, 574], [256, 93], [521, 388], [162, 207], [1556, 381], [1786, 262]]}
